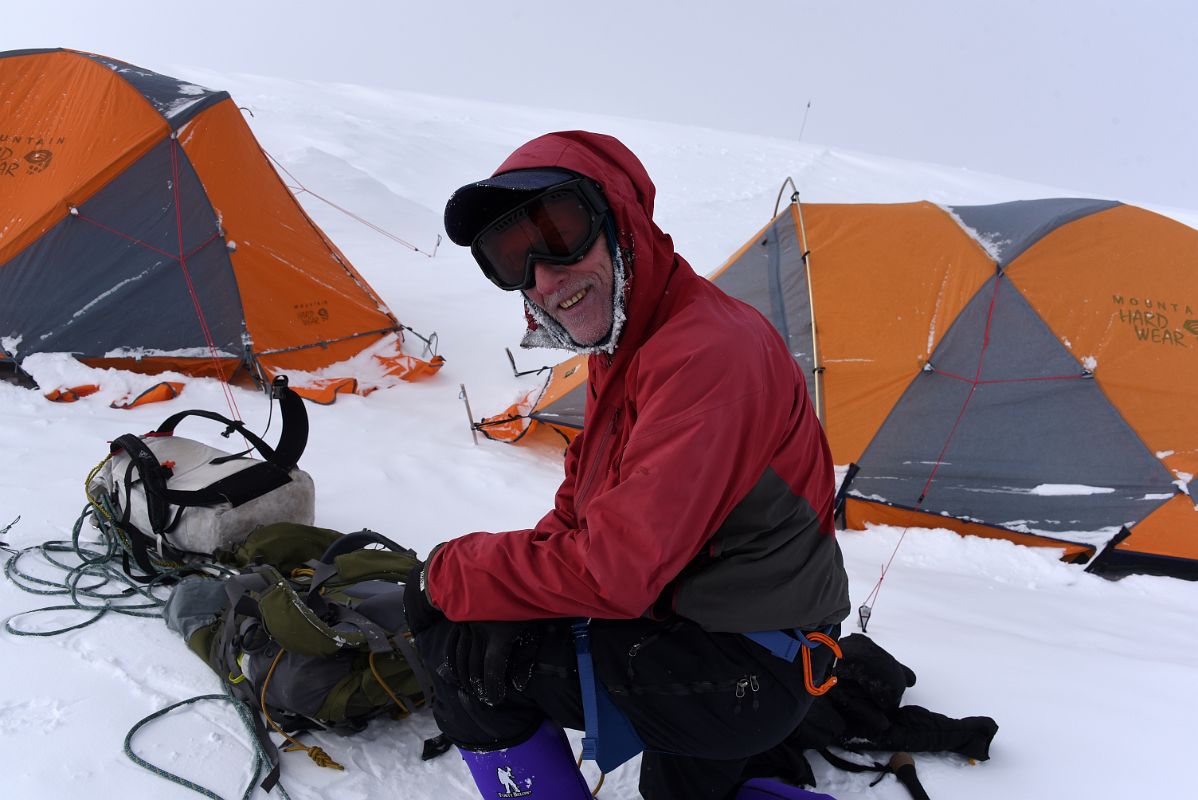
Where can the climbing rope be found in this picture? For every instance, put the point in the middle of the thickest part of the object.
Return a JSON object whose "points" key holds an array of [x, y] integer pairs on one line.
{"points": [[86, 576], [96, 582], [261, 759]]}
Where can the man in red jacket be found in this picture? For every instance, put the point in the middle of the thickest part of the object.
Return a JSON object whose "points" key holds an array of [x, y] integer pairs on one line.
{"points": [[695, 517]]}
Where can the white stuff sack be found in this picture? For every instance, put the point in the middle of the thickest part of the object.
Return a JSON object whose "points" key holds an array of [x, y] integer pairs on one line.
{"points": [[207, 528]]}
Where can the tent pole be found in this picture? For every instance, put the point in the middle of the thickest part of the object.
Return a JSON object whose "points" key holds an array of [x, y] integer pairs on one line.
{"points": [[817, 368]]}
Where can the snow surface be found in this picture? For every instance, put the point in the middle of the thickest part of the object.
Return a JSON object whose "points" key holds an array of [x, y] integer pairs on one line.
{"points": [[1091, 682]]}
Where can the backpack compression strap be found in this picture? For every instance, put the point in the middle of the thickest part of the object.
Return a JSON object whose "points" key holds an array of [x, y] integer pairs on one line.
{"points": [[292, 441], [153, 477]]}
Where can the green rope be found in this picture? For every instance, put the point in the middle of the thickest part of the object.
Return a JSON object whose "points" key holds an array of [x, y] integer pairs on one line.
{"points": [[261, 760], [100, 568]]}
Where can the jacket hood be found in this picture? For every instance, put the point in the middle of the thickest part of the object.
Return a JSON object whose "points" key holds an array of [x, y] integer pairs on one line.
{"points": [[647, 253]]}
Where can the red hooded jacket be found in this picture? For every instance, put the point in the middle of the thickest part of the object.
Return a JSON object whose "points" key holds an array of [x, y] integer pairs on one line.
{"points": [[702, 483]]}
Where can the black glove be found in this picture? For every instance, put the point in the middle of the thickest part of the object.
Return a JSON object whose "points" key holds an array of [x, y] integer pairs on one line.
{"points": [[485, 657], [419, 610]]}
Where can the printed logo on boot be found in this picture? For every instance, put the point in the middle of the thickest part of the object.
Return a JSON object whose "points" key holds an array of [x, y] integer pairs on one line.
{"points": [[510, 787]]}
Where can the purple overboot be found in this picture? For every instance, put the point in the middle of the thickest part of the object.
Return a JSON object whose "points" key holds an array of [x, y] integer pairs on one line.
{"points": [[766, 789], [541, 768]]}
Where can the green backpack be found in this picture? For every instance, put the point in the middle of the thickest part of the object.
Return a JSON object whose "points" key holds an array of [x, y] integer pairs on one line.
{"points": [[310, 631]]}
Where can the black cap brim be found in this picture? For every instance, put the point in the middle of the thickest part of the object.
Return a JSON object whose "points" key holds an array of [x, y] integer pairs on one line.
{"points": [[476, 204]]}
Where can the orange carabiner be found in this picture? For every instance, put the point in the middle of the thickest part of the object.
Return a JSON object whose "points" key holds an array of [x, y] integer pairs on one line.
{"points": [[808, 679]]}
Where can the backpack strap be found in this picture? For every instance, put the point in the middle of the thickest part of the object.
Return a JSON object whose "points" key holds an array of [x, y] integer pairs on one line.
{"points": [[325, 569], [153, 479], [292, 441], [359, 539]]}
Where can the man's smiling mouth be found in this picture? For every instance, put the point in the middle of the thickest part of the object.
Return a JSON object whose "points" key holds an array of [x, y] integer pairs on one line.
{"points": [[572, 301]]}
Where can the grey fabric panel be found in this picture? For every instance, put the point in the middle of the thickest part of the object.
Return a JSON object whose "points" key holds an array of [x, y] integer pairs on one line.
{"points": [[770, 276], [300, 683], [86, 290], [1011, 228], [566, 410], [177, 101], [197, 601], [1018, 442], [31, 52], [770, 557], [1021, 343]]}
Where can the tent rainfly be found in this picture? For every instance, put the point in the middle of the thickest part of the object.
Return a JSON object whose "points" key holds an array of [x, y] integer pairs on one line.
{"points": [[142, 227], [1025, 370]]}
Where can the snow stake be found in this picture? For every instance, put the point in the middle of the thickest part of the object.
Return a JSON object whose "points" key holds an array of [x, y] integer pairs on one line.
{"points": [[469, 414], [863, 616]]}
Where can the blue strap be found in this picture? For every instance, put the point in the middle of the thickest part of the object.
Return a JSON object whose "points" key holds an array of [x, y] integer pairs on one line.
{"points": [[610, 739], [784, 644]]}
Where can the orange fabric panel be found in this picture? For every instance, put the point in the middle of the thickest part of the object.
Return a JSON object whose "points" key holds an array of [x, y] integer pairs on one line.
{"points": [[1131, 311], [298, 289], [158, 393], [71, 394], [513, 423], [887, 282], [70, 126], [195, 367], [565, 377], [1171, 530], [325, 390], [858, 512], [508, 425], [303, 360], [410, 368]]}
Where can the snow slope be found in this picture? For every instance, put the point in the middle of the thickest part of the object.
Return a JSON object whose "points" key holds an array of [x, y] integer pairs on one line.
{"points": [[1091, 682]]}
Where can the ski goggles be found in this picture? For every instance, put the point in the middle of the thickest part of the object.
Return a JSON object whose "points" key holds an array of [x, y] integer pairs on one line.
{"points": [[557, 227]]}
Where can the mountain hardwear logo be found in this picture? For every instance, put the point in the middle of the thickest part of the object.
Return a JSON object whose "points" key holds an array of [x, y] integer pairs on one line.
{"points": [[511, 788], [38, 160]]}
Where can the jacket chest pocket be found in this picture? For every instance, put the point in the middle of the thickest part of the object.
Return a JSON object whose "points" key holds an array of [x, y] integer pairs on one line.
{"points": [[602, 461]]}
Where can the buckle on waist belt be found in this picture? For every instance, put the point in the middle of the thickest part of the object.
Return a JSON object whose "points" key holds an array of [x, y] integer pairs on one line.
{"points": [[787, 645]]}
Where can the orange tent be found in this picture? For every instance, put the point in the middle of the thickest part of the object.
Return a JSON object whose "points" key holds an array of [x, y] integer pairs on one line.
{"points": [[1025, 370], [142, 227]]}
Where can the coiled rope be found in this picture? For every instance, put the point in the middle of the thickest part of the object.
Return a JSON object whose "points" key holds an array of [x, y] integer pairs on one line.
{"points": [[87, 584]]}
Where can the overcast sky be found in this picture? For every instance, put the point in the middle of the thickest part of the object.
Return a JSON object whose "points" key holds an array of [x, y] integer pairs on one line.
{"points": [[1100, 96]]}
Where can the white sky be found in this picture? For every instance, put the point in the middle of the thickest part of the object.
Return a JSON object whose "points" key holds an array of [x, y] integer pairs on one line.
{"points": [[1099, 95]]}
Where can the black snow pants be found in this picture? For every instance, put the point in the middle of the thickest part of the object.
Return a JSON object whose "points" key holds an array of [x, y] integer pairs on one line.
{"points": [[703, 703]]}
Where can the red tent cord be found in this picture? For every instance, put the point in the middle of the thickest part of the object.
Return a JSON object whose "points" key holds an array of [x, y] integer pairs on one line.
{"points": [[299, 188], [195, 299], [974, 383], [182, 259]]}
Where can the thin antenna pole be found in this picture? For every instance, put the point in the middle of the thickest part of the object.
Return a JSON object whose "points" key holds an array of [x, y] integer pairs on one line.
{"points": [[803, 127]]}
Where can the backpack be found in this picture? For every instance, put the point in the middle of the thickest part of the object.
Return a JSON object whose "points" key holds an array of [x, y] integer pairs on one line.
{"points": [[309, 631], [171, 500]]}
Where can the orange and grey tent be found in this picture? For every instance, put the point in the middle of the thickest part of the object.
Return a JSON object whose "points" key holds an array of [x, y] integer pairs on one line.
{"points": [[142, 227], [1025, 370]]}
